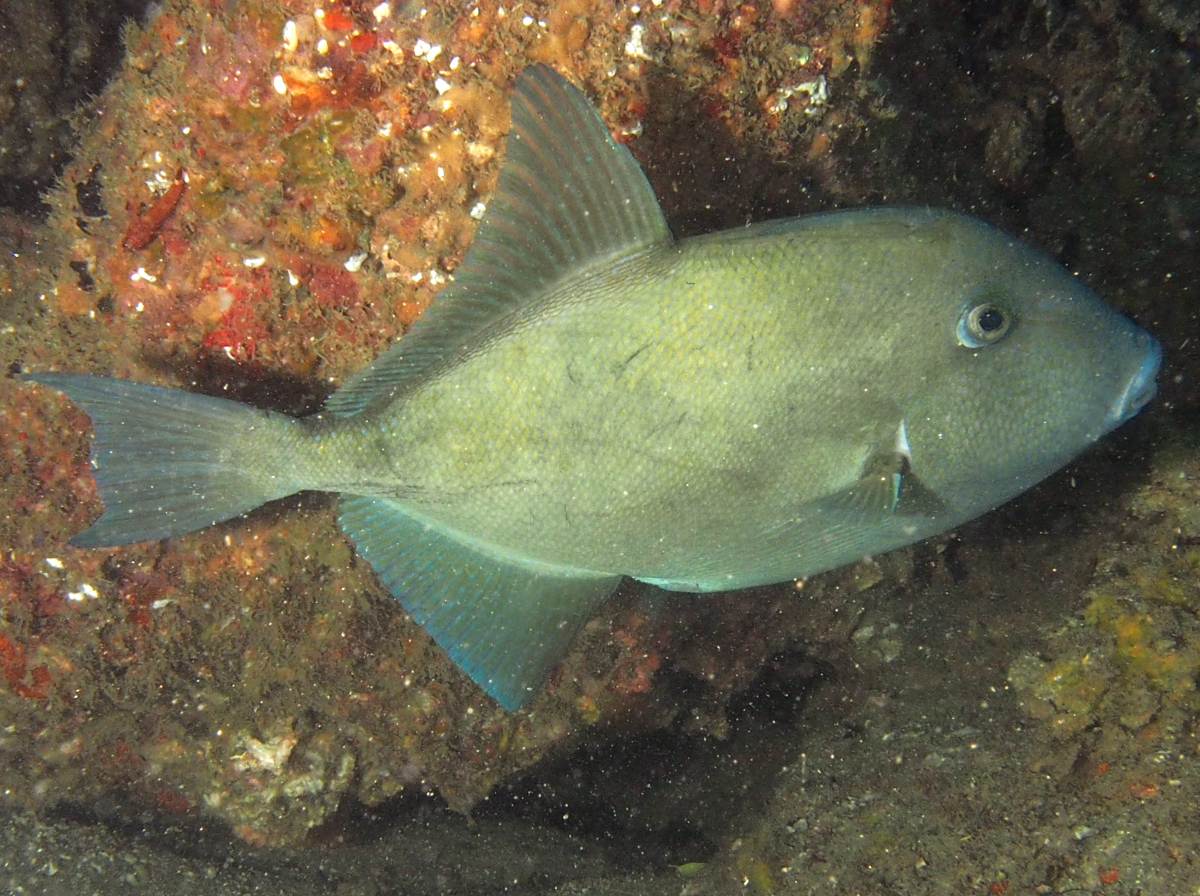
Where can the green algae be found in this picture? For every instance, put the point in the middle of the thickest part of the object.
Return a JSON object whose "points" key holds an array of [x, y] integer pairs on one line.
{"points": [[310, 150]]}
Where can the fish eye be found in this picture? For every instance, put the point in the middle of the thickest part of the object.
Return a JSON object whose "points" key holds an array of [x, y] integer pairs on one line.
{"points": [[983, 324]]}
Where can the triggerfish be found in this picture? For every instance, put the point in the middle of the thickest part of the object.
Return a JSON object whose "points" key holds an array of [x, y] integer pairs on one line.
{"points": [[590, 398]]}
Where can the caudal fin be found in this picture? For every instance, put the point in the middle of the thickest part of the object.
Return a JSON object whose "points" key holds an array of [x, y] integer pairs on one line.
{"points": [[167, 461]]}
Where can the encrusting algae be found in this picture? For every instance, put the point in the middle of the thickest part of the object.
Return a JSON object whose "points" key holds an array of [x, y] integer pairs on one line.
{"points": [[1118, 690]]}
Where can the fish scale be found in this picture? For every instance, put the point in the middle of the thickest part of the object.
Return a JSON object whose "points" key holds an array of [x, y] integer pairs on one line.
{"points": [[590, 399]]}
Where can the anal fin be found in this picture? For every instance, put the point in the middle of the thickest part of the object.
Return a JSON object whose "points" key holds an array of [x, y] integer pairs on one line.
{"points": [[505, 623]]}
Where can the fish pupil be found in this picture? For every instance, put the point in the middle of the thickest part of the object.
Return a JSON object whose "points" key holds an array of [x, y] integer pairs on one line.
{"points": [[990, 320]]}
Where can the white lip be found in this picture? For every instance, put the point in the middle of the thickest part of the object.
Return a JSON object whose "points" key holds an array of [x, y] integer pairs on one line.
{"points": [[1141, 386]]}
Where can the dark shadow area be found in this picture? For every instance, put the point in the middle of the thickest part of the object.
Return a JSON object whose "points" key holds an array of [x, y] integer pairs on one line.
{"points": [[199, 837], [704, 177], [410, 846], [54, 56], [272, 389], [671, 796], [121, 813]]}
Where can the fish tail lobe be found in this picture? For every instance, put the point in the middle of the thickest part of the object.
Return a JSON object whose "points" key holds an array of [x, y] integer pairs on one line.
{"points": [[167, 462]]}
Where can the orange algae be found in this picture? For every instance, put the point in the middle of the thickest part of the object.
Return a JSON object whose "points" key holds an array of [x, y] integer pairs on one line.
{"points": [[871, 19], [71, 297], [1142, 649], [476, 104], [441, 163], [567, 29]]}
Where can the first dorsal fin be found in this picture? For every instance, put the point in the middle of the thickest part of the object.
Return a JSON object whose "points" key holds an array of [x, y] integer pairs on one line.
{"points": [[568, 196]]}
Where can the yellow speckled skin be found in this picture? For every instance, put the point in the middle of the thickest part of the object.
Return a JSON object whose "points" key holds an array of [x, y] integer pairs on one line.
{"points": [[688, 415]]}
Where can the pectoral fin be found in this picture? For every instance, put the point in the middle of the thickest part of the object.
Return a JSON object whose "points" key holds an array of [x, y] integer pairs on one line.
{"points": [[506, 623], [887, 486]]}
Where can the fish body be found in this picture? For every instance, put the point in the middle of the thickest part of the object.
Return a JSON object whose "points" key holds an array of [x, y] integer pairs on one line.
{"points": [[592, 399]]}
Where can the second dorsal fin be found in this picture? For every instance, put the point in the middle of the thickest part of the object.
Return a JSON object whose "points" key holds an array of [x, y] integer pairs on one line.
{"points": [[568, 196]]}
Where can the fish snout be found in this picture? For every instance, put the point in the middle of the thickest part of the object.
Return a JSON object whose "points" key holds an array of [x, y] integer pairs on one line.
{"points": [[1142, 386]]}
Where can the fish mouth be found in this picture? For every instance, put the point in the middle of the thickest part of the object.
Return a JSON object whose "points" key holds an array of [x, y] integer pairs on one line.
{"points": [[1142, 385]]}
